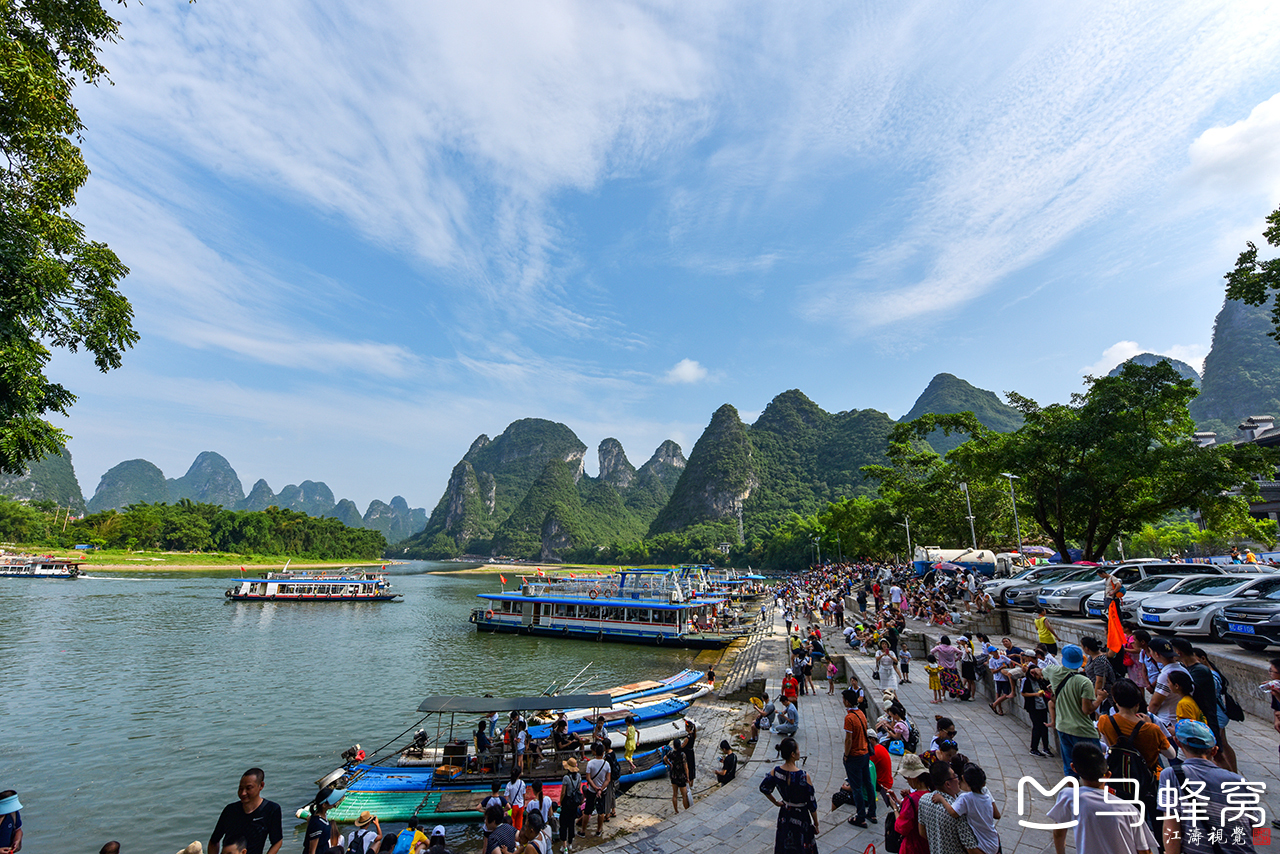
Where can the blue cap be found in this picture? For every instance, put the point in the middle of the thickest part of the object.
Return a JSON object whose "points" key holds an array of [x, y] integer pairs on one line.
{"points": [[9, 804], [1072, 657], [1194, 734]]}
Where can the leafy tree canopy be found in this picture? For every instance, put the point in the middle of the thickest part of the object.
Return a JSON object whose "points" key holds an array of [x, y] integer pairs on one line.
{"points": [[56, 287], [1253, 281]]}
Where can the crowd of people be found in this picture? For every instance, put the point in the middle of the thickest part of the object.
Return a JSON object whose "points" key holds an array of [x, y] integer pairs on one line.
{"points": [[1155, 713]]}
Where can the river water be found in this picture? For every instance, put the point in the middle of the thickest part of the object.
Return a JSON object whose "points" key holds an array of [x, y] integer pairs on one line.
{"points": [[129, 706]]}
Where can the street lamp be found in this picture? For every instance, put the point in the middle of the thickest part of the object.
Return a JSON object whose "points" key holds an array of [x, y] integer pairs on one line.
{"points": [[817, 548], [1014, 502], [907, 524], [964, 487], [839, 551]]}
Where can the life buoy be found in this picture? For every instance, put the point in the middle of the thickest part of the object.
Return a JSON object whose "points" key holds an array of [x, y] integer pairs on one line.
{"points": [[488, 615], [594, 593], [660, 639]]}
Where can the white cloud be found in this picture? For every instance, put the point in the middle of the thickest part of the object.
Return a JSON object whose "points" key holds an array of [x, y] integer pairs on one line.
{"points": [[686, 371], [1119, 352], [1241, 158]]}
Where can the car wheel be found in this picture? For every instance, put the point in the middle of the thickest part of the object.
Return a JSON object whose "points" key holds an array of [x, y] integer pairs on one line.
{"points": [[1213, 632], [1252, 646], [1084, 609]]}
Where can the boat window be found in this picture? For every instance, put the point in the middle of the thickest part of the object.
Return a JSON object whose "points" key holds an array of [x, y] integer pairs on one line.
{"points": [[592, 612], [637, 615]]}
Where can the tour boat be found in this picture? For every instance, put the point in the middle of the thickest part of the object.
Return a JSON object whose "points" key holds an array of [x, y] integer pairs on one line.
{"points": [[647, 606], [302, 586], [33, 566]]}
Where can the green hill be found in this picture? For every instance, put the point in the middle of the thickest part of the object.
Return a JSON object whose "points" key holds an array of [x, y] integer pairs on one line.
{"points": [[1149, 359], [947, 395], [129, 482], [50, 479], [1241, 373]]}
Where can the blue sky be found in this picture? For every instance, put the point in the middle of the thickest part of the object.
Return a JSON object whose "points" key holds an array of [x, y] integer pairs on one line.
{"points": [[362, 234]]}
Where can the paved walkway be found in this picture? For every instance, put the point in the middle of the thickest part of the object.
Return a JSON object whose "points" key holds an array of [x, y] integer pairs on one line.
{"points": [[742, 820]]}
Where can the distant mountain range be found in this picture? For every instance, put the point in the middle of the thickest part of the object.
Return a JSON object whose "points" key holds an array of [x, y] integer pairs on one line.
{"points": [[525, 493]]}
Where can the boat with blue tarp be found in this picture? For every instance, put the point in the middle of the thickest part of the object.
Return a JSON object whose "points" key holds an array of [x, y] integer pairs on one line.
{"points": [[347, 585]]}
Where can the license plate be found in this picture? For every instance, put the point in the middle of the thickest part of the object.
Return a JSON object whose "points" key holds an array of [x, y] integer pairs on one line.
{"points": [[1043, 601], [1095, 612], [1239, 627], [1150, 618]]}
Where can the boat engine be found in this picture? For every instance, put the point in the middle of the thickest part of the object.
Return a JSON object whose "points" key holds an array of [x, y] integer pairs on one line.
{"points": [[352, 754]]}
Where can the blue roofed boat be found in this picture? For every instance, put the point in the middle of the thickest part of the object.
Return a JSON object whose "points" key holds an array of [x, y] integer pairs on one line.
{"points": [[645, 606], [348, 585]]}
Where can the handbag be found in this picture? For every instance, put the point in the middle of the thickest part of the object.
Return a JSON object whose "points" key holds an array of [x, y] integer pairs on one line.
{"points": [[1232, 708], [896, 747], [892, 838]]}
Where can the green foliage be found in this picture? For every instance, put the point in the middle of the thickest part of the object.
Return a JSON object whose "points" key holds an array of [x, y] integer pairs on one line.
{"points": [[719, 469], [949, 395], [861, 527], [1253, 281], [1241, 373], [51, 479], [57, 288], [189, 526], [1116, 458], [20, 523], [1148, 359]]}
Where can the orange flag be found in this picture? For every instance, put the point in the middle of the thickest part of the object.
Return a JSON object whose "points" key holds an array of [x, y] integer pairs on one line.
{"points": [[1115, 631], [503, 577]]}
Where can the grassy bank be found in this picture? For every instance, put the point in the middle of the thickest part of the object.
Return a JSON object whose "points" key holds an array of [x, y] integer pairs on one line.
{"points": [[517, 570], [169, 561]]}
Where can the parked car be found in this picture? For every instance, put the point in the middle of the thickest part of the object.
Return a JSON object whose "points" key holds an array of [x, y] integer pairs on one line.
{"points": [[1190, 609], [1253, 625], [1135, 592], [1069, 598], [1025, 595], [998, 587]]}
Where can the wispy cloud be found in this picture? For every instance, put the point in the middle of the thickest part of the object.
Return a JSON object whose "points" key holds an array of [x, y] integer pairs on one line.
{"points": [[1122, 351], [1243, 157]]}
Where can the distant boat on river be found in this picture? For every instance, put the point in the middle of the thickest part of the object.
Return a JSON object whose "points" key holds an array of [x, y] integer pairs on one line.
{"points": [[303, 586], [37, 566]]}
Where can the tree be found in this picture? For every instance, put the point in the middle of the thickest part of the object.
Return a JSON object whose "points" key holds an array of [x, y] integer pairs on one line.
{"points": [[56, 287], [1116, 458], [1252, 281]]}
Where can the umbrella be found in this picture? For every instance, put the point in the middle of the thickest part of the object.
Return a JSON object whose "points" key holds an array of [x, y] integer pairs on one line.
{"points": [[947, 566], [1085, 563], [1037, 550]]}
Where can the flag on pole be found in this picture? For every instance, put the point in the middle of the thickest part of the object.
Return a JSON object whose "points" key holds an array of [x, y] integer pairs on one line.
{"points": [[599, 573], [503, 577], [1115, 630], [571, 575], [540, 572], [242, 570]]}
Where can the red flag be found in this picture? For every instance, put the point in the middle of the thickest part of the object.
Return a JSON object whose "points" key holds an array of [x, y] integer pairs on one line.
{"points": [[598, 572], [540, 572], [503, 577], [571, 575], [242, 570], [1115, 630]]}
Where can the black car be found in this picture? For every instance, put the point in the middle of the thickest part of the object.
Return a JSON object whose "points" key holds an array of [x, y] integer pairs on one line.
{"points": [[1252, 626]]}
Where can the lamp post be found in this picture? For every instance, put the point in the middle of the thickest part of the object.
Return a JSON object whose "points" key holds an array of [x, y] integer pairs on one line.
{"points": [[1014, 502], [910, 554], [839, 550], [817, 549], [964, 487]]}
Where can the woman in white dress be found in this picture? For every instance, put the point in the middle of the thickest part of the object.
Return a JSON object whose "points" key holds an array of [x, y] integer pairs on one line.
{"points": [[887, 667]]}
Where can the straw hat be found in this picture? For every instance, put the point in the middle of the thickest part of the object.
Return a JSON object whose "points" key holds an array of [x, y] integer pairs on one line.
{"points": [[365, 818], [912, 766], [570, 764], [193, 848]]}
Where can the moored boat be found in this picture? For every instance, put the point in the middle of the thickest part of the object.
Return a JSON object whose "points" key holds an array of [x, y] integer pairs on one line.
{"points": [[301, 586]]}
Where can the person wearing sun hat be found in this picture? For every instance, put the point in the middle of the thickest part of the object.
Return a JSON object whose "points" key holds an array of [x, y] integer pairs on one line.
{"points": [[906, 822], [10, 821], [439, 845], [1076, 701], [1181, 837], [365, 838]]}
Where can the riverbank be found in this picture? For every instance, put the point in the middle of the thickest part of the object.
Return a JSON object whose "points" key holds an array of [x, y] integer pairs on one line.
{"points": [[109, 561], [529, 570]]}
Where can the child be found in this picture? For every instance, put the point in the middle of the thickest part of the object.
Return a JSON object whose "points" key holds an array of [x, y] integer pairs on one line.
{"points": [[633, 740], [976, 805], [935, 681], [904, 664], [832, 670], [711, 678], [1187, 707]]}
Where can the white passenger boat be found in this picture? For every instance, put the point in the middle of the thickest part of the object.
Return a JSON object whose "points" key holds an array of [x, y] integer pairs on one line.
{"points": [[302, 586], [37, 566]]}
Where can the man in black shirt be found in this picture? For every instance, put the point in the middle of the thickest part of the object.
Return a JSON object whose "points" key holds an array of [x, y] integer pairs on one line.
{"points": [[253, 818]]}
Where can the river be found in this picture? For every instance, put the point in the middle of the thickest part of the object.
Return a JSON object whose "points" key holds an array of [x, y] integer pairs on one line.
{"points": [[129, 706]]}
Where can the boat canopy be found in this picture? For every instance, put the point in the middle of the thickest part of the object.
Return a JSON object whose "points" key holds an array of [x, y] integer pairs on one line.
{"points": [[482, 705]]}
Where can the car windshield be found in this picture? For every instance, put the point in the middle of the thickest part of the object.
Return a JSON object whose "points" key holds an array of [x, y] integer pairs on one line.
{"points": [[1153, 583], [1270, 589], [1080, 575], [1223, 585]]}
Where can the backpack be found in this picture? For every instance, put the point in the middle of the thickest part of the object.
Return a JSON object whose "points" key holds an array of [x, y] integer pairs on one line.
{"points": [[1124, 762], [359, 840], [404, 841], [892, 838], [1229, 704], [913, 738], [571, 795]]}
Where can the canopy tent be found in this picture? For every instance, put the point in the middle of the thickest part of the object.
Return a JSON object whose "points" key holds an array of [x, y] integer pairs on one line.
{"points": [[483, 705]]}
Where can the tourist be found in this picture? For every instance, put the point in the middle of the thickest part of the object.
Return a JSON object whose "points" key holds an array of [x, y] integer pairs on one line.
{"points": [[947, 656], [764, 720], [790, 686], [907, 823], [944, 730], [796, 803], [945, 832], [1036, 705], [252, 818], [538, 802], [904, 664], [1097, 666], [1102, 822], [946, 751], [887, 666], [364, 839], [533, 838], [409, 839], [570, 802], [1199, 771], [1226, 756], [968, 668], [882, 762], [832, 672], [10, 822], [499, 836], [934, 669], [728, 764], [113, 847], [1149, 739], [1112, 590], [514, 792], [319, 831], [974, 803], [597, 777], [633, 740], [483, 743], [1044, 632], [678, 775], [1186, 709], [234, 846], [615, 772], [1163, 705], [690, 757], [1075, 702], [438, 843], [788, 719], [857, 758]]}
